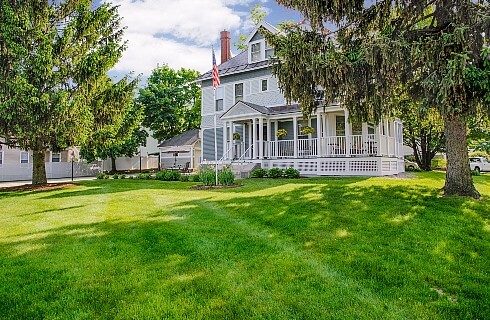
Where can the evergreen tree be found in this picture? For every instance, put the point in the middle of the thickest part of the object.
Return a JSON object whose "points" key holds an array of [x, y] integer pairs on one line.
{"points": [[54, 56], [438, 49]]}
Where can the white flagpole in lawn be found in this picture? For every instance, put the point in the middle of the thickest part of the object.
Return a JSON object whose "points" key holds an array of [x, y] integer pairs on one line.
{"points": [[215, 140], [216, 83]]}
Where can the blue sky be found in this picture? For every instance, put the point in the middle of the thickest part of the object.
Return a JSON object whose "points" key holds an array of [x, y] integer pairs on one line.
{"points": [[180, 33]]}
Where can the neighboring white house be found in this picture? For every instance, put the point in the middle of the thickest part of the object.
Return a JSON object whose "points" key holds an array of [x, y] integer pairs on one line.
{"points": [[145, 159], [248, 102], [16, 164], [182, 151]]}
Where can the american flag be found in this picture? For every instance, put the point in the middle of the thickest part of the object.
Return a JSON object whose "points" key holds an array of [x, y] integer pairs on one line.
{"points": [[215, 73]]}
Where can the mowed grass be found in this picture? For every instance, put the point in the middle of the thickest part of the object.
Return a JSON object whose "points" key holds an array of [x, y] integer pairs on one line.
{"points": [[330, 248]]}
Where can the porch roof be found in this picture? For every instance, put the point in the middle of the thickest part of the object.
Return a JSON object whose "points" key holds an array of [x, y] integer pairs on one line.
{"points": [[247, 108]]}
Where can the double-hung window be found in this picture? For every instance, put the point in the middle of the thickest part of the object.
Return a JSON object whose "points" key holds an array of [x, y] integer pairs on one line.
{"points": [[269, 51], [219, 99], [56, 157], [264, 85], [1, 157], [24, 157], [255, 52], [238, 92]]}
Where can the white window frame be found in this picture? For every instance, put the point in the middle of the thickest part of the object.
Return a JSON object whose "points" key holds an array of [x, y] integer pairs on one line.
{"points": [[261, 88], [261, 51], [234, 91], [219, 95], [52, 154], [268, 48], [28, 157]]}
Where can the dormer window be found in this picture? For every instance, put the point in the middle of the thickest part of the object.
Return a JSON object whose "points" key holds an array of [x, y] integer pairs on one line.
{"points": [[269, 51], [255, 51]]}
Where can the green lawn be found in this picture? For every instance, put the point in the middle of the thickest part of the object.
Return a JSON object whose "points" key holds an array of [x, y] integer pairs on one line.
{"points": [[345, 248]]}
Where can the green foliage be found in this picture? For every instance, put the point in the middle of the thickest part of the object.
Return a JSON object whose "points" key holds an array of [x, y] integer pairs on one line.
{"points": [[258, 173], [116, 176], [194, 178], [168, 175], [54, 56], [121, 134], [439, 163], [275, 173], [226, 177], [437, 50], [144, 176], [207, 176], [123, 176], [480, 154], [184, 178], [172, 101], [307, 130], [475, 172], [101, 176], [291, 173], [281, 133], [257, 15]]}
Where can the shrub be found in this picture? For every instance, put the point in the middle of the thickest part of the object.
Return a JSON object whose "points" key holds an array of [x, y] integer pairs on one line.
{"points": [[144, 176], [101, 175], [207, 176], [184, 178], [291, 173], [115, 177], [258, 173], [168, 175], [123, 176], [479, 154], [275, 173], [475, 172], [131, 177], [439, 163], [226, 177], [194, 178]]}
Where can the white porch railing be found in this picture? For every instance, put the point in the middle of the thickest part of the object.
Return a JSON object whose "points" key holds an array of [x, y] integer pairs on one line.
{"points": [[334, 146]]}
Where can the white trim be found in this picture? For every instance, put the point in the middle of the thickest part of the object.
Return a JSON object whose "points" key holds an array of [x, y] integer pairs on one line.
{"points": [[51, 156], [265, 25], [28, 157]]}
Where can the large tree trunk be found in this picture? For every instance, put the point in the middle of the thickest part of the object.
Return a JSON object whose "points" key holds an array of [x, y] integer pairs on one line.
{"points": [[458, 174], [113, 165], [38, 168]]}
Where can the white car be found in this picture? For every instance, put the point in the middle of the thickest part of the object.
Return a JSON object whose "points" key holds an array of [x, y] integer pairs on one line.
{"points": [[479, 164]]}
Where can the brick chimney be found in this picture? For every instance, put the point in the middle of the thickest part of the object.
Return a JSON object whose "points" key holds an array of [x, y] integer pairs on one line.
{"points": [[225, 46]]}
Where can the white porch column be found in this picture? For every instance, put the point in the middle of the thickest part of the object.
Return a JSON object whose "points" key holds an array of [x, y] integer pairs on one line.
{"points": [[295, 137], [319, 134], [254, 138], [269, 138], [276, 127], [192, 158], [232, 144], [250, 139], [377, 137], [348, 138], [261, 138], [224, 140]]}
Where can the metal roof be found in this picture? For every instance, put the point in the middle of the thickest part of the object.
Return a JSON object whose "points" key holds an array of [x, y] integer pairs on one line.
{"points": [[238, 63]]}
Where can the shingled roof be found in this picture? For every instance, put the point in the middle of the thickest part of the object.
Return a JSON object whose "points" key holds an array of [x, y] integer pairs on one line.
{"points": [[184, 139], [239, 63]]}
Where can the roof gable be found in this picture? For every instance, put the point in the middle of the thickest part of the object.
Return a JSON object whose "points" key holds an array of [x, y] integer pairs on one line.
{"points": [[183, 139], [243, 108], [264, 25]]}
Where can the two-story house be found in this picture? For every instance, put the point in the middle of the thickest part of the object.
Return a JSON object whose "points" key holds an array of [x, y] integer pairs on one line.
{"points": [[255, 124]]}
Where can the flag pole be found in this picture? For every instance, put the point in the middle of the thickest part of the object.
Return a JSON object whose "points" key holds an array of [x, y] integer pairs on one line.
{"points": [[215, 140]]}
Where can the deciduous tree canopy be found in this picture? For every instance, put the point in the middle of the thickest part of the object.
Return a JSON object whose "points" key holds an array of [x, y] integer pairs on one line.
{"points": [[172, 101]]}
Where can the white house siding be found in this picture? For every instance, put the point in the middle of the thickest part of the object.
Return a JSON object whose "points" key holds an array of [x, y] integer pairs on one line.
{"points": [[12, 170]]}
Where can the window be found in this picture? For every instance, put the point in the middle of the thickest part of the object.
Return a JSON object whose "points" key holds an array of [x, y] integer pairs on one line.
{"points": [[56, 157], [269, 51], [1, 157], [371, 129], [219, 99], [24, 157], [264, 85], [255, 52], [340, 126], [238, 92]]}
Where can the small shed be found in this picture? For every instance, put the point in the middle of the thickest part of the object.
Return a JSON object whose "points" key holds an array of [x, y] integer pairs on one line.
{"points": [[182, 151]]}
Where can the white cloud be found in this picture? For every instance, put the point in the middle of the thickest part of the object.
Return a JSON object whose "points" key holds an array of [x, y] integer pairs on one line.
{"points": [[176, 32]]}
